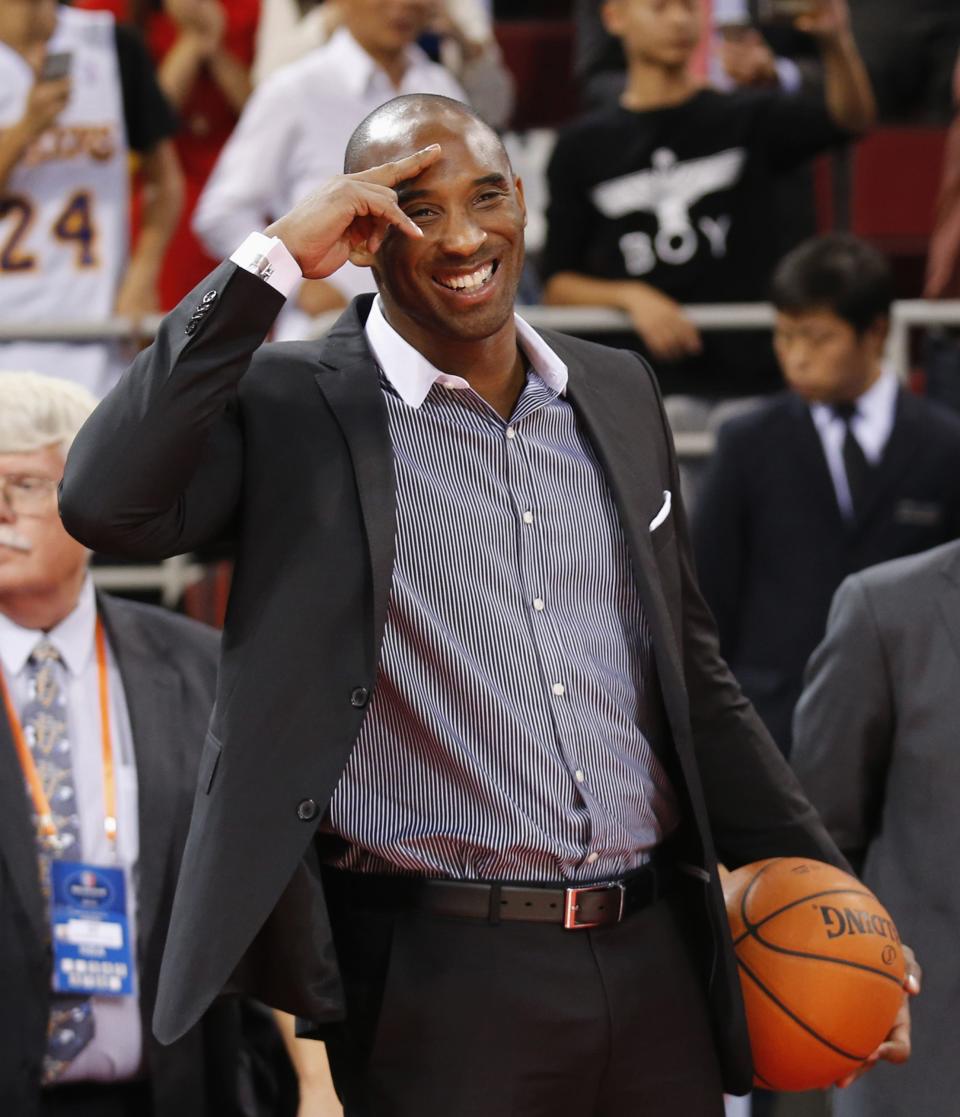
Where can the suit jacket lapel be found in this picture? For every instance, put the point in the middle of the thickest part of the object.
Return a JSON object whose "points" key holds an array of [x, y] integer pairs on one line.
{"points": [[613, 421], [149, 686], [18, 844], [351, 387]]}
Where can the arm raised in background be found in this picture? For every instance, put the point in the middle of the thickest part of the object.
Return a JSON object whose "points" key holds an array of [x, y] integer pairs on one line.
{"points": [[162, 204], [156, 469], [849, 95]]}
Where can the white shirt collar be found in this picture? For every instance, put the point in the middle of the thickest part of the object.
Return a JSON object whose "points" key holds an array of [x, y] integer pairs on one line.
{"points": [[360, 69], [876, 412], [73, 637], [412, 375]]}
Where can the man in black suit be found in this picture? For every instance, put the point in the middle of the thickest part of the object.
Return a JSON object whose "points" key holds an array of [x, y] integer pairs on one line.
{"points": [[845, 470], [474, 751], [105, 703]]}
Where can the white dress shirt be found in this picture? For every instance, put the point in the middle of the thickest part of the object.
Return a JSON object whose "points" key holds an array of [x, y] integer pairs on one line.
{"points": [[871, 426], [116, 1051], [412, 375], [291, 139]]}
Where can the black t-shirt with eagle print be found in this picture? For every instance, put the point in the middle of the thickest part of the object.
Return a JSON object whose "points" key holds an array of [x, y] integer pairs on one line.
{"points": [[682, 197]]}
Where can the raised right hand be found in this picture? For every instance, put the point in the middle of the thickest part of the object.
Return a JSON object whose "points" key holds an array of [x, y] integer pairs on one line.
{"points": [[349, 211]]}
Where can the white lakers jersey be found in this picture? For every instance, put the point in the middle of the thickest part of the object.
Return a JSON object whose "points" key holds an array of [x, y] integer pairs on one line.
{"points": [[65, 208]]}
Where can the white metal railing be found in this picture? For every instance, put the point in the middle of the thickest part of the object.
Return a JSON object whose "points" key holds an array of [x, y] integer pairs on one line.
{"points": [[170, 578], [174, 575]]}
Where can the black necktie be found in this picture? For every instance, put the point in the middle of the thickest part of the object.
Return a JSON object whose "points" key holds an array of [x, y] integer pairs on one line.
{"points": [[855, 463]]}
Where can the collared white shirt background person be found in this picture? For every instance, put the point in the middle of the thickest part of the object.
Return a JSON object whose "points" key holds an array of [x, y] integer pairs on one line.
{"points": [[872, 426], [291, 137], [284, 35], [116, 1051]]}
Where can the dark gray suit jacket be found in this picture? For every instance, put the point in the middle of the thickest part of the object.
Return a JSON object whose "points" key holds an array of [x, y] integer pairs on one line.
{"points": [[877, 747], [287, 447], [168, 666]]}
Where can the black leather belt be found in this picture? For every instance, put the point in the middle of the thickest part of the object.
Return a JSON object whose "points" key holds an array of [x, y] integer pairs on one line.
{"points": [[576, 907]]}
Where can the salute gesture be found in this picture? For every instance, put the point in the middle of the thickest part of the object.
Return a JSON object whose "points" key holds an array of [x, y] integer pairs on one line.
{"points": [[348, 212]]}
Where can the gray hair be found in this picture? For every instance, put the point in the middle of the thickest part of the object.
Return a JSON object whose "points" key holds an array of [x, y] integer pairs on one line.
{"points": [[39, 411]]}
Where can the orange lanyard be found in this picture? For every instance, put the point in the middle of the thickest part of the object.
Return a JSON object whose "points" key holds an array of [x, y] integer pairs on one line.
{"points": [[41, 804]]}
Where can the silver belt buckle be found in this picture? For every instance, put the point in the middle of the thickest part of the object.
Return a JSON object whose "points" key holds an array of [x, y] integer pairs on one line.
{"points": [[571, 904]]}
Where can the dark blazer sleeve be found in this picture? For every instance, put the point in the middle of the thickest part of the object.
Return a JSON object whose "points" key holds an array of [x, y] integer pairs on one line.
{"points": [[719, 539], [155, 471], [845, 722]]}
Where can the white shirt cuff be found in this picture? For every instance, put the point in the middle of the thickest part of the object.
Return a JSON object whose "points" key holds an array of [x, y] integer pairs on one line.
{"points": [[270, 259]]}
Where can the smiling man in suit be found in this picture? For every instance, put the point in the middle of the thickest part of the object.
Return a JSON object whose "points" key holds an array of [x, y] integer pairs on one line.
{"points": [[845, 470], [104, 706], [474, 751]]}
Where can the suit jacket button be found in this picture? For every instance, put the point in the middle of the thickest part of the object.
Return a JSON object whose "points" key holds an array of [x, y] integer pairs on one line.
{"points": [[306, 810], [359, 697]]}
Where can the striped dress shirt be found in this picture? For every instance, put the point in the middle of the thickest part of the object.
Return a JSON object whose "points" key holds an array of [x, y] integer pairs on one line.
{"points": [[509, 733]]}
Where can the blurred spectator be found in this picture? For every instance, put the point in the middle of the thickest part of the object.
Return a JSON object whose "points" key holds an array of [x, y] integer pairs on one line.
{"points": [[294, 130], [668, 197], [64, 199], [465, 45], [203, 50], [845, 470], [105, 707], [743, 53], [909, 47], [875, 746]]}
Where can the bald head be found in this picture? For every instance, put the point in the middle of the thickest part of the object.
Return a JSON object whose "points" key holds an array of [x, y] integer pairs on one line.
{"points": [[398, 127]]}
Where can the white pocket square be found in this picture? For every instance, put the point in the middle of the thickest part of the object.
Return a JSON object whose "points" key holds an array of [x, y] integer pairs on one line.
{"points": [[663, 513]]}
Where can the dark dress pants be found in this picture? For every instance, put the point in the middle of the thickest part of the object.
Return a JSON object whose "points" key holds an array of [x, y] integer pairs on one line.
{"points": [[91, 1099], [461, 1018]]}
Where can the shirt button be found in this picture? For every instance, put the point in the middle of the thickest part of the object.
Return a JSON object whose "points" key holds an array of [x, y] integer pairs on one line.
{"points": [[528, 517], [307, 810], [558, 689], [359, 696], [538, 604], [511, 433], [593, 858], [579, 776]]}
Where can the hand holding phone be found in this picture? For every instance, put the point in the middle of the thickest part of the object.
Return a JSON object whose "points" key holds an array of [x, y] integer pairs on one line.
{"points": [[56, 65], [49, 95]]}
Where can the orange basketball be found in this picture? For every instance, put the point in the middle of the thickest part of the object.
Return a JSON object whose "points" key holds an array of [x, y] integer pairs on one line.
{"points": [[821, 967]]}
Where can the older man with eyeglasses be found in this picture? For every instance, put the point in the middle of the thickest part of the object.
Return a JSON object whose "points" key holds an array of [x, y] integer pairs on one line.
{"points": [[103, 707]]}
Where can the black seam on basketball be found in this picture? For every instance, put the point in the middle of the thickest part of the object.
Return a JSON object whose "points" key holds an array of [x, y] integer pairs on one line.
{"points": [[748, 890], [766, 1081], [826, 958], [796, 1019], [751, 926]]}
